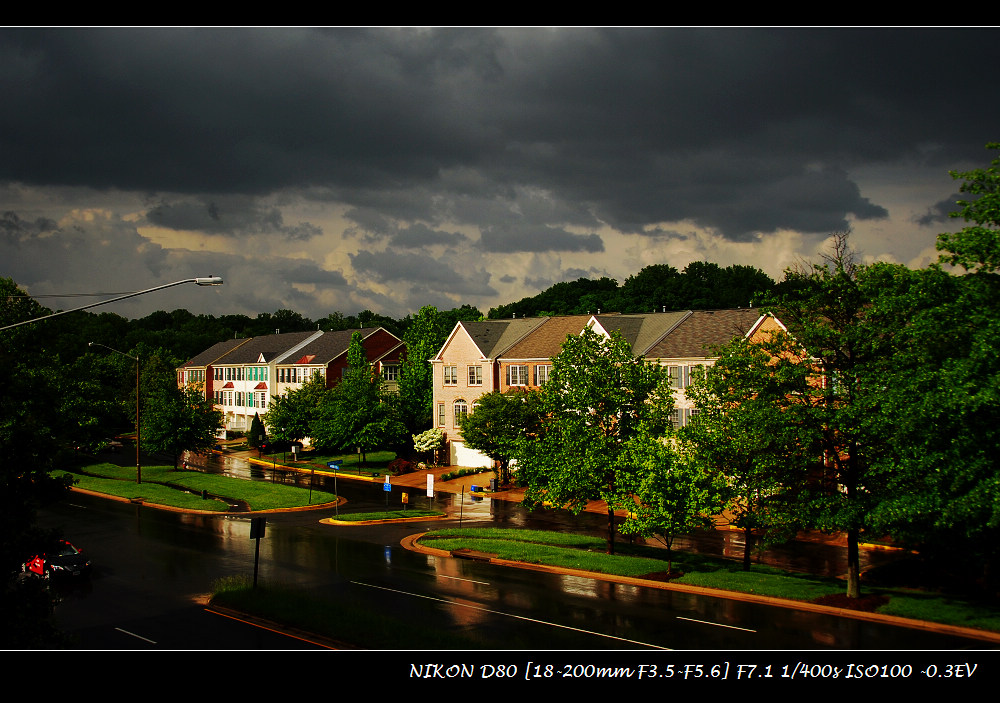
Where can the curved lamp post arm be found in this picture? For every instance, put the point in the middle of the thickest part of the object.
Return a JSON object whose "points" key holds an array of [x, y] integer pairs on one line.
{"points": [[204, 281]]}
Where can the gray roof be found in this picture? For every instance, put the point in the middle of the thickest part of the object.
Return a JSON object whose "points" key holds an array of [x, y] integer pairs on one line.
{"points": [[493, 337], [214, 353], [702, 331], [271, 346]]}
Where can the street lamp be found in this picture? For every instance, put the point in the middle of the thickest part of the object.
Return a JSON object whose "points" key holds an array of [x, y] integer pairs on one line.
{"points": [[138, 466], [204, 281]]}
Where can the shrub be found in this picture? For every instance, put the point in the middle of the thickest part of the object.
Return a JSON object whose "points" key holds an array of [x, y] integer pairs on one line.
{"points": [[400, 466]]}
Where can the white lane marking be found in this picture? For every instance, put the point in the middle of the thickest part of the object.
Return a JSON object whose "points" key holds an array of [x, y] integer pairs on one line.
{"points": [[456, 578], [510, 615], [132, 634], [717, 624]]}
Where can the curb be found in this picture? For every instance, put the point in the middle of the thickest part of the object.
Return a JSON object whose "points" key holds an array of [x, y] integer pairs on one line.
{"points": [[411, 543]]}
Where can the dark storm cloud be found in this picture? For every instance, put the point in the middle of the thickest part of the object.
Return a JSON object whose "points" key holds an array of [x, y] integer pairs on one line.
{"points": [[941, 211], [229, 216], [537, 238], [425, 271], [741, 130], [14, 229]]}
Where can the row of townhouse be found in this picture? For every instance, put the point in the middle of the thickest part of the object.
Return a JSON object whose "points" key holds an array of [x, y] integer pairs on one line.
{"points": [[242, 375], [500, 355]]}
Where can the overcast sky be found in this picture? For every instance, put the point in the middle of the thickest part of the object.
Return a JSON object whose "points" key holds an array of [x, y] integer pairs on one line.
{"points": [[326, 170]]}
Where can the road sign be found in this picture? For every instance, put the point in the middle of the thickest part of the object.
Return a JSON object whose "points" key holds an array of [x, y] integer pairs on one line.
{"points": [[430, 485], [386, 486], [335, 464]]}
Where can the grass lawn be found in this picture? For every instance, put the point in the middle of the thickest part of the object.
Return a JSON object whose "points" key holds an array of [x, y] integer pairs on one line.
{"points": [[376, 462], [388, 515], [165, 485], [579, 552]]}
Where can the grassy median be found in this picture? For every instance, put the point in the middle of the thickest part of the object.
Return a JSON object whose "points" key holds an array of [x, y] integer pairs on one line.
{"points": [[164, 485]]}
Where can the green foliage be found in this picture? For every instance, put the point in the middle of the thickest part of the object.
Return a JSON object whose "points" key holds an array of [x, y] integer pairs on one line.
{"points": [[358, 411], [977, 246], [177, 420], [289, 417], [423, 339], [749, 432], [500, 422], [673, 497], [596, 400]]}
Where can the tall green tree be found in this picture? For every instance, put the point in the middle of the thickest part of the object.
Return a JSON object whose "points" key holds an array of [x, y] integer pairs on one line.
{"points": [[289, 417], [828, 311], [499, 423], [358, 412], [423, 339], [674, 496], [179, 420], [941, 393], [595, 401], [747, 431]]}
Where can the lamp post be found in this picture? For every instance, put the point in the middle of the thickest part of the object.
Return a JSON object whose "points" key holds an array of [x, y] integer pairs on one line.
{"points": [[204, 281], [138, 465]]}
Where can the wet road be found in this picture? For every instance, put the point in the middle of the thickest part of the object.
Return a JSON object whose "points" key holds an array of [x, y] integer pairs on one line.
{"points": [[153, 565]]}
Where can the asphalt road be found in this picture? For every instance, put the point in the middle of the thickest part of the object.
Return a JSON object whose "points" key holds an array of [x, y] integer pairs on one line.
{"points": [[153, 570]]}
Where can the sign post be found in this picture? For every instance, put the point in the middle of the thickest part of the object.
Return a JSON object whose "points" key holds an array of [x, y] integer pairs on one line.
{"points": [[257, 525], [335, 465], [430, 489], [387, 488]]}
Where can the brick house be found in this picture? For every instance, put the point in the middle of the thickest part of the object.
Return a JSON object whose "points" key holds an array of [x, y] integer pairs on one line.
{"points": [[500, 355], [241, 376]]}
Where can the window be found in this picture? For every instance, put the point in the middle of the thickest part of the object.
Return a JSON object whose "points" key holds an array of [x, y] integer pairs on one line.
{"points": [[542, 374], [441, 413], [517, 375], [451, 375], [390, 372], [475, 375], [678, 376], [461, 412]]}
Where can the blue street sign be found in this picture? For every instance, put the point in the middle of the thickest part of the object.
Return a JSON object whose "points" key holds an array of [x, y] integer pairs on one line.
{"points": [[335, 463]]}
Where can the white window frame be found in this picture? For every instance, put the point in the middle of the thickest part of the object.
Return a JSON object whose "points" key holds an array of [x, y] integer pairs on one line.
{"points": [[521, 374], [475, 375]]}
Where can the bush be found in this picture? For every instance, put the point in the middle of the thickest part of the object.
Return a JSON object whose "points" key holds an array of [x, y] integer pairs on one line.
{"points": [[400, 466]]}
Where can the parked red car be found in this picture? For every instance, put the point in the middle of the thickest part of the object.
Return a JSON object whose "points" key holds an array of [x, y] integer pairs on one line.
{"points": [[64, 561]]}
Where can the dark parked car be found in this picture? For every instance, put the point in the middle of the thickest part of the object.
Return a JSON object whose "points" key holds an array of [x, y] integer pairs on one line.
{"points": [[64, 560]]}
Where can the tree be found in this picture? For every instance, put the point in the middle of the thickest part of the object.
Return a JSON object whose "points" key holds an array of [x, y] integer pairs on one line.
{"points": [[258, 434], [423, 338], [290, 417], [429, 441], [674, 496], [597, 397], [358, 411], [977, 246], [828, 311], [498, 424], [940, 409], [747, 433], [178, 420]]}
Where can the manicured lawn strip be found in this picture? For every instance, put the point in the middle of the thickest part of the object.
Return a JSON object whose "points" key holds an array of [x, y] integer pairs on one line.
{"points": [[146, 491], [564, 539], [261, 495], [388, 515], [538, 547]]}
